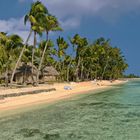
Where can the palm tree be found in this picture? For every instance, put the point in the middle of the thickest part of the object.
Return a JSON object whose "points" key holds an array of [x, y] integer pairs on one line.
{"points": [[20, 56], [68, 62], [50, 23], [48, 54], [36, 12], [105, 56], [80, 43], [34, 16], [10, 44], [117, 64], [62, 47]]}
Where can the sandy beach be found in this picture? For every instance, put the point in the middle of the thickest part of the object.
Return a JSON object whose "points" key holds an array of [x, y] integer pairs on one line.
{"points": [[12, 103]]}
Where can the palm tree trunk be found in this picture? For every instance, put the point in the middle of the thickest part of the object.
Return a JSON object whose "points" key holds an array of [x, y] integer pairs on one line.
{"points": [[96, 71], [68, 69], [63, 70], [33, 53], [60, 69], [82, 68], [20, 56], [42, 58], [87, 75], [104, 70], [77, 69], [6, 78]]}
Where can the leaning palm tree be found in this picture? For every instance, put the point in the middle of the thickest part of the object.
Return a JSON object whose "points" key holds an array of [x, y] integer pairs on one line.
{"points": [[37, 10], [34, 16], [50, 23]]}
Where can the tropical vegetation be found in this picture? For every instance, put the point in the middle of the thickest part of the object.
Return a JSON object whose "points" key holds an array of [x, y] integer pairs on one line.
{"points": [[75, 58]]}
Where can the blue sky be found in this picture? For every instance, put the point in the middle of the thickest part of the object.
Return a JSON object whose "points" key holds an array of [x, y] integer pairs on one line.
{"points": [[118, 20]]}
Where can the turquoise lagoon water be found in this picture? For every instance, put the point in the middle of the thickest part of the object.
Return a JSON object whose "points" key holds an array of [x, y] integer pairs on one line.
{"points": [[110, 115]]}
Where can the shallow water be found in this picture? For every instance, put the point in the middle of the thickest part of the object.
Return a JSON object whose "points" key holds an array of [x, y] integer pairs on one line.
{"points": [[110, 115]]}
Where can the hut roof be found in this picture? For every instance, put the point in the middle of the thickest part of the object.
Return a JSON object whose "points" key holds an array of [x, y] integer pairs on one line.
{"points": [[22, 69], [26, 69], [49, 71]]}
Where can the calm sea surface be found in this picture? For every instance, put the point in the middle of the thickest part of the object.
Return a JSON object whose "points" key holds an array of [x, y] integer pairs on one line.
{"points": [[110, 115]]}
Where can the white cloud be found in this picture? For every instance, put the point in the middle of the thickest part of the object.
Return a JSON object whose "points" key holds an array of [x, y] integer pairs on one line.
{"points": [[106, 9], [16, 26], [70, 23], [92, 7]]}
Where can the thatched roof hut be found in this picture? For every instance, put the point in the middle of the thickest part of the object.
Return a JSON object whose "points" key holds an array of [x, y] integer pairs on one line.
{"points": [[49, 73], [26, 69], [24, 73]]}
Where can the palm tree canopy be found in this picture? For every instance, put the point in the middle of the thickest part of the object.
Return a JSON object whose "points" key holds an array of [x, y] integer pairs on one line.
{"points": [[35, 15], [50, 23]]}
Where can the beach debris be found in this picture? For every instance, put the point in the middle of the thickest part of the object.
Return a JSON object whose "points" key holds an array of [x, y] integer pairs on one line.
{"points": [[67, 88], [26, 93]]}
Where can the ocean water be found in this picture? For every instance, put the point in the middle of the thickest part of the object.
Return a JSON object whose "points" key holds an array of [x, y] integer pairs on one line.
{"points": [[110, 115]]}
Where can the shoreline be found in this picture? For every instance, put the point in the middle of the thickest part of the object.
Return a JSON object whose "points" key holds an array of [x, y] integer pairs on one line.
{"points": [[18, 103]]}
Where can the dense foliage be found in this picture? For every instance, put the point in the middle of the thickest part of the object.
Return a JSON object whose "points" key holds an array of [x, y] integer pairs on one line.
{"points": [[75, 59]]}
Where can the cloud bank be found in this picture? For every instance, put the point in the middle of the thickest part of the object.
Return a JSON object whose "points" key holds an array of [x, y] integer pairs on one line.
{"points": [[16, 26], [71, 12], [109, 9], [77, 9]]}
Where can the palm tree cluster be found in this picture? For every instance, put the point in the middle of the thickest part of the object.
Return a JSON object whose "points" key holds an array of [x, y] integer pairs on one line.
{"points": [[98, 60], [75, 59]]}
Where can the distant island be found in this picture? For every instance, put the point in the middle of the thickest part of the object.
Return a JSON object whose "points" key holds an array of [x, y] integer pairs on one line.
{"points": [[131, 76]]}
